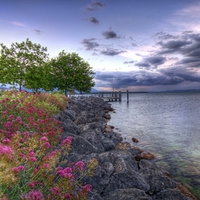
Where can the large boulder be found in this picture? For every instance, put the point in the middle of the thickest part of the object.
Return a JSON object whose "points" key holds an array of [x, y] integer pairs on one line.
{"points": [[157, 180]]}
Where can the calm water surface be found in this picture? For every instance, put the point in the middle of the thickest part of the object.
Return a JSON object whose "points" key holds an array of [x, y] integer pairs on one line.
{"points": [[167, 125]]}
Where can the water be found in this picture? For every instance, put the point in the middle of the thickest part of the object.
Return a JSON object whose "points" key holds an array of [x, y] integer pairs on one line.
{"points": [[167, 125]]}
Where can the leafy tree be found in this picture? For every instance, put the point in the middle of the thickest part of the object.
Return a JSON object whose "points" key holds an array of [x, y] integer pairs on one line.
{"points": [[71, 72], [23, 64]]}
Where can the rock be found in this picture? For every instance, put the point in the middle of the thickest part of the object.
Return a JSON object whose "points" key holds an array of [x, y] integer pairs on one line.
{"points": [[157, 180], [170, 194], [185, 191], [124, 172], [145, 155], [106, 116], [123, 145], [134, 140], [81, 146], [128, 194]]}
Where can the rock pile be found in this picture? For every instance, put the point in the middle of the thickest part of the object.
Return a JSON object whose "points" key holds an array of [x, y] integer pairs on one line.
{"points": [[124, 172]]}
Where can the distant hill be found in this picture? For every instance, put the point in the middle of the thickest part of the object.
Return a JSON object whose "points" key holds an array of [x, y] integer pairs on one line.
{"points": [[93, 90]]}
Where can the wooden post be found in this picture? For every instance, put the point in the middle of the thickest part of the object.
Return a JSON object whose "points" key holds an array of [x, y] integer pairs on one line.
{"points": [[99, 94], [127, 96], [120, 96], [115, 96]]}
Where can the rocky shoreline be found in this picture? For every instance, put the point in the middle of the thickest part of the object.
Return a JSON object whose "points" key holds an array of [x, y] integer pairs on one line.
{"points": [[124, 172]]}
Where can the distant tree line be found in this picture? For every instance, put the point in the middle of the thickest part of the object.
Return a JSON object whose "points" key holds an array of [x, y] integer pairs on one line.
{"points": [[28, 65]]}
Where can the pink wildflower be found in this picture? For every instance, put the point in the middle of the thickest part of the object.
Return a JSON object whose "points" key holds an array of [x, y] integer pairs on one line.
{"points": [[19, 119], [80, 165], [5, 112], [46, 145], [44, 139], [67, 141], [61, 173], [26, 133], [32, 184], [5, 150], [18, 169], [8, 125], [33, 159], [55, 190], [68, 196], [6, 141], [22, 155], [87, 187], [68, 170], [33, 195], [11, 117], [69, 176], [31, 153], [46, 166]]}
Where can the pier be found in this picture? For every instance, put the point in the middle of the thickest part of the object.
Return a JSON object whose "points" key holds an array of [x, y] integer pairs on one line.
{"points": [[112, 96]]}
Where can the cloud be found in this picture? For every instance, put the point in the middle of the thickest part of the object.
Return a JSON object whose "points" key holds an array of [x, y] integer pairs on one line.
{"points": [[151, 62], [89, 43], [143, 64], [187, 46], [111, 52], [109, 34], [38, 31], [98, 4], [129, 62], [164, 77], [139, 78], [17, 23], [93, 20], [164, 36], [95, 5]]}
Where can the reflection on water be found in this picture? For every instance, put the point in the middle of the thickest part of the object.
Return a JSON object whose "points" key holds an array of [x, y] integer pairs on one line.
{"points": [[168, 125]]}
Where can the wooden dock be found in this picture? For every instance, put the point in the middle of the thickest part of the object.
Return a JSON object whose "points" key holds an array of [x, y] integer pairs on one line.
{"points": [[110, 96]]}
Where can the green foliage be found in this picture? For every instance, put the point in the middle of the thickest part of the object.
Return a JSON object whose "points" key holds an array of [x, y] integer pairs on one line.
{"points": [[27, 65], [23, 64], [69, 72]]}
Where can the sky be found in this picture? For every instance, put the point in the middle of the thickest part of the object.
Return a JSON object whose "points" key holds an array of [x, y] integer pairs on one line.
{"points": [[135, 45]]}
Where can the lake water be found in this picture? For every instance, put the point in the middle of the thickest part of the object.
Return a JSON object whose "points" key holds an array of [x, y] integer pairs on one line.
{"points": [[167, 125]]}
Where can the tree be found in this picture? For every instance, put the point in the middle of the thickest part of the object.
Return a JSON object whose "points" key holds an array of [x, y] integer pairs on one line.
{"points": [[23, 64], [69, 72]]}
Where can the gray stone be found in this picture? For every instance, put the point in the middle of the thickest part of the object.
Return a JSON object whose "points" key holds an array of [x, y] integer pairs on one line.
{"points": [[170, 194], [155, 177], [127, 194]]}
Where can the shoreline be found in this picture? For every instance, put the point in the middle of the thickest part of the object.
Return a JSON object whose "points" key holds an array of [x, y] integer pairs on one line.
{"points": [[124, 172]]}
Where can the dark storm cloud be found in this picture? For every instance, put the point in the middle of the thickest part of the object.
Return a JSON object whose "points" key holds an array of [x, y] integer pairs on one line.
{"points": [[189, 60], [109, 34], [155, 60], [183, 73], [140, 78], [93, 20], [111, 52], [143, 64], [187, 45], [173, 46], [151, 62], [129, 62], [89, 43], [167, 76]]}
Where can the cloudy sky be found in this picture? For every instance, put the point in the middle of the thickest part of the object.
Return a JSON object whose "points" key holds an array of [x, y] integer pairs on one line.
{"points": [[140, 45]]}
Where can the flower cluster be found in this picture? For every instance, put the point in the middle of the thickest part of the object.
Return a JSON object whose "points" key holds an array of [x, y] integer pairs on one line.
{"points": [[30, 165]]}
